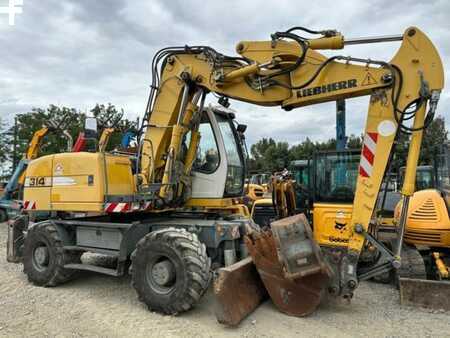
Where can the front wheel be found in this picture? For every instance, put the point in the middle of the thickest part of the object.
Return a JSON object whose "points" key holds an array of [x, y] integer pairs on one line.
{"points": [[170, 270], [44, 257]]}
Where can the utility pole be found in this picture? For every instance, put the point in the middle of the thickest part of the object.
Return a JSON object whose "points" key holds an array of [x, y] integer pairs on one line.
{"points": [[341, 139], [15, 145]]}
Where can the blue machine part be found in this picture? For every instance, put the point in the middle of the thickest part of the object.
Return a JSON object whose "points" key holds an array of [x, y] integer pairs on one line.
{"points": [[126, 139]]}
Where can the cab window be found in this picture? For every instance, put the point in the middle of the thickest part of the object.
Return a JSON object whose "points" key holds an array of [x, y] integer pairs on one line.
{"points": [[207, 160], [235, 170]]}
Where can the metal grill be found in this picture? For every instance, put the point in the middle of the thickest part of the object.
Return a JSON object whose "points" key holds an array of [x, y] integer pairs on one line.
{"points": [[426, 212], [423, 237]]}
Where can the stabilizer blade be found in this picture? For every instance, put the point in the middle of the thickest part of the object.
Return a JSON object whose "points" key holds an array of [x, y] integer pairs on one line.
{"points": [[425, 293]]}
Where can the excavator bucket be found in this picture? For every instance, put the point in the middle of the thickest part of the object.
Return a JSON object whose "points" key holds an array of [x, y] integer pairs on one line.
{"points": [[425, 293], [290, 265]]}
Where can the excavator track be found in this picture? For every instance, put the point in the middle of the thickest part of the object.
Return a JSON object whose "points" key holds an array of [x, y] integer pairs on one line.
{"points": [[413, 266]]}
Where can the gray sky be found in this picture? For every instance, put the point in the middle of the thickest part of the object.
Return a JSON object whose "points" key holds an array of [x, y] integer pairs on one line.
{"points": [[80, 52]]}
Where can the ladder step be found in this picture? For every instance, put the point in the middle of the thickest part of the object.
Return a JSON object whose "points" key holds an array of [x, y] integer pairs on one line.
{"points": [[94, 268], [108, 252]]}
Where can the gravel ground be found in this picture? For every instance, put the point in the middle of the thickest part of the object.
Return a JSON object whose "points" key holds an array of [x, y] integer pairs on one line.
{"points": [[102, 306]]}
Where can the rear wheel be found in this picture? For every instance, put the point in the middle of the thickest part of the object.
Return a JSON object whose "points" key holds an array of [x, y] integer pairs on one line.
{"points": [[44, 257], [170, 270]]}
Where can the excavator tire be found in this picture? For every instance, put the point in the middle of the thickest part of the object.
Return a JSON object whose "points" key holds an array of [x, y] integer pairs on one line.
{"points": [[170, 270], [413, 265], [44, 257]]}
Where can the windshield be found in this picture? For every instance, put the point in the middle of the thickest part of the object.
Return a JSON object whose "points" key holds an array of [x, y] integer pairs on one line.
{"points": [[443, 171], [300, 173], [260, 179], [335, 175], [235, 171], [424, 177]]}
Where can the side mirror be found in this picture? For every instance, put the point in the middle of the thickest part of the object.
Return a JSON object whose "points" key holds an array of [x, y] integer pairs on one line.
{"points": [[90, 127], [241, 128]]}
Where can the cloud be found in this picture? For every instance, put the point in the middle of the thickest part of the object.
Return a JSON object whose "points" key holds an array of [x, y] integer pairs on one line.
{"points": [[80, 52]]}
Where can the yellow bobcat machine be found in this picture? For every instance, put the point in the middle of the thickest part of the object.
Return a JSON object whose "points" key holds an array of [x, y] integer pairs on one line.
{"points": [[172, 211], [424, 280]]}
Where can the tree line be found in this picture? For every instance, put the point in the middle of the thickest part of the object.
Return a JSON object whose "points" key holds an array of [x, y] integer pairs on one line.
{"points": [[14, 139], [268, 155]]}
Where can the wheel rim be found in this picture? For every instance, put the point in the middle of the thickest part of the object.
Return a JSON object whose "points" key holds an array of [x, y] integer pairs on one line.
{"points": [[161, 274], [41, 257]]}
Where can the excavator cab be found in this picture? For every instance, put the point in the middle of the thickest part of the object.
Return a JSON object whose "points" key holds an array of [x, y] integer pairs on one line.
{"points": [[219, 166], [426, 177]]}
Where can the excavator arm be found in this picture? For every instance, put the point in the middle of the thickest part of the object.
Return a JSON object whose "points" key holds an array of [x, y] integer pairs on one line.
{"points": [[32, 151], [288, 71]]}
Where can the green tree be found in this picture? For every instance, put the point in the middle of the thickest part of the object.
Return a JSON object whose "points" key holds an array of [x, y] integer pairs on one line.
{"points": [[63, 118], [354, 142], [302, 150], [268, 155], [109, 117], [433, 138], [3, 142], [258, 151], [5, 150]]}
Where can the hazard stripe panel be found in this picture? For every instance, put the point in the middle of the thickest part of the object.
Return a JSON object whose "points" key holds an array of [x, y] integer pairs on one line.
{"points": [[29, 205], [368, 154], [125, 207]]}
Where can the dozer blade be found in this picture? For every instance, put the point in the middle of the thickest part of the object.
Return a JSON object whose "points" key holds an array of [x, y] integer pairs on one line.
{"points": [[425, 293], [290, 265], [239, 291]]}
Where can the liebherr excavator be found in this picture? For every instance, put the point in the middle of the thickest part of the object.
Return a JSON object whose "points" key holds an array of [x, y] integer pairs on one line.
{"points": [[174, 209]]}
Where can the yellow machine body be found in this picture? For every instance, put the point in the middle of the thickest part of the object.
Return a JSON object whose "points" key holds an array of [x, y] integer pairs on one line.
{"points": [[254, 191], [79, 182], [428, 222], [331, 223]]}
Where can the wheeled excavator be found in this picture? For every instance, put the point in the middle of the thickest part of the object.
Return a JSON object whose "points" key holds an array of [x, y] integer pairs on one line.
{"points": [[173, 211]]}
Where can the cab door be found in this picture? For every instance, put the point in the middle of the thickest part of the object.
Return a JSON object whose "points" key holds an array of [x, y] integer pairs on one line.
{"points": [[210, 166]]}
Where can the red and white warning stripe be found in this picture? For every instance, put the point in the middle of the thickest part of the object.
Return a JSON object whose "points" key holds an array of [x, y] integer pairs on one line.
{"points": [[117, 207], [126, 207], [368, 154], [29, 205]]}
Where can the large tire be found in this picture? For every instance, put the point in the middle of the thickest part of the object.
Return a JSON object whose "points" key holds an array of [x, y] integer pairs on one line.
{"points": [[3, 216], [44, 257], [185, 270]]}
